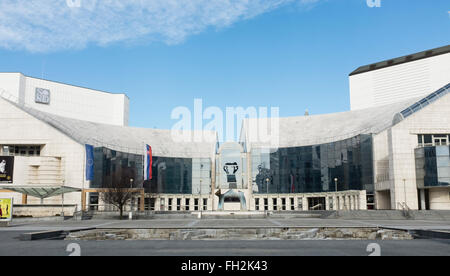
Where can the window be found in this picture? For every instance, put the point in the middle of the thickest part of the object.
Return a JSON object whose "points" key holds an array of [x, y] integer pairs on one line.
{"points": [[147, 204], [316, 203], [274, 202], [178, 204], [266, 204], [257, 204], [170, 204], [187, 204], [292, 204], [20, 150], [205, 204], [196, 204], [429, 140]]}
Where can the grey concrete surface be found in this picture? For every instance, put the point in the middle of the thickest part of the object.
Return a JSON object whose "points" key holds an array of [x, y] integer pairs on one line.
{"points": [[11, 246], [17, 225]]}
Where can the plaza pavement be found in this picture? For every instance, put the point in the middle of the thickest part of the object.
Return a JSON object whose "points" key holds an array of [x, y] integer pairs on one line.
{"points": [[161, 223]]}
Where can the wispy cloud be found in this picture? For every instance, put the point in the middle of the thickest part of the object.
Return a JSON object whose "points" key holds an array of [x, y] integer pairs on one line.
{"points": [[53, 25]]}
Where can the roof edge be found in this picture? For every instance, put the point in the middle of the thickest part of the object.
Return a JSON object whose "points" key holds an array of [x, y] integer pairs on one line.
{"points": [[401, 60]]}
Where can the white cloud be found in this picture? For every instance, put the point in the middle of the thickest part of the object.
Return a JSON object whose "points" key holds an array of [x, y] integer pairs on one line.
{"points": [[52, 25]]}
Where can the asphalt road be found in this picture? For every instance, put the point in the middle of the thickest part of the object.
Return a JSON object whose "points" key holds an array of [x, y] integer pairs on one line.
{"points": [[11, 246]]}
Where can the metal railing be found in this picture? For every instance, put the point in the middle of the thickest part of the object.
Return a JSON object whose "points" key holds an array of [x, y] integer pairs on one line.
{"points": [[405, 210]]}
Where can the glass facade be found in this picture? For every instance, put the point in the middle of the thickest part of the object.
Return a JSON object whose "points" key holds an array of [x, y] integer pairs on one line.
{"points": [[111, 165], [170, 175], [312, 169], [231, 167], [433, 166]]}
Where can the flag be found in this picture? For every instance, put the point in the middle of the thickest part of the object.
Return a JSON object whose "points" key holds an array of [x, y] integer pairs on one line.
{"points": [[89, 163], [148, 163]]}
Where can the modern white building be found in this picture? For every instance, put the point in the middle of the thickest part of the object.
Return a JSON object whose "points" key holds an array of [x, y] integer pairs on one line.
{"points": [[397, 153], [65, 100], [400, 78], [390, 155], [46, 152]]}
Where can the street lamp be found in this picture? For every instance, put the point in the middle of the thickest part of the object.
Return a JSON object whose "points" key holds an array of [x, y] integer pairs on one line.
{"points": [[200, 204], [132, 199], [336, 189], [404, 190], [267, 192]]}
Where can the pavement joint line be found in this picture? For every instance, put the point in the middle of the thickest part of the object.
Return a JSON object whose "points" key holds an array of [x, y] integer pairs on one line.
{"points": [[104, 224], [192, 223], [276, 222]]}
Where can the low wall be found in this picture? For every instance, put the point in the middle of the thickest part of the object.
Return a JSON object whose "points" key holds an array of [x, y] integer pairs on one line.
{"points": [[242, 234], [45, 210]]}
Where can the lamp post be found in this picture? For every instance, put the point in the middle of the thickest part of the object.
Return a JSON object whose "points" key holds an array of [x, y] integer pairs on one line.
{"points": [[62, 201], [267, 192], [201, 201], [336, 189], [132, 199], [404, 190]]}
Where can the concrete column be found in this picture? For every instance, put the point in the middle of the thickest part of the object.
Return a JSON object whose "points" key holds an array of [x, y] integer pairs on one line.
{"points": [[423, 204], [192, 203], [83, 201], [158, 204], [327, 203], [305, 203], [142, 202]]}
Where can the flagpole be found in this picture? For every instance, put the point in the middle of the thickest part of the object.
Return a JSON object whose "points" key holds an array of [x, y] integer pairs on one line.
{"points": [[143, 170]]}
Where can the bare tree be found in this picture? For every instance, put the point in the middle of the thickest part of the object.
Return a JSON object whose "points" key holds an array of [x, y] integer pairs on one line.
{"points": [[118, 191]]}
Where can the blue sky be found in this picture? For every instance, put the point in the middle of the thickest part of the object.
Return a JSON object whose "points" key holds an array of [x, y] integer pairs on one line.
{"points": [[284, 53]]}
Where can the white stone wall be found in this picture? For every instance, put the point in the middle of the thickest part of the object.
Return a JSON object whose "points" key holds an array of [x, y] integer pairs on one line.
{"points": [[433, 119], [38, 211], [439, 198], [399, 82], [24, 129], [68, 100]]}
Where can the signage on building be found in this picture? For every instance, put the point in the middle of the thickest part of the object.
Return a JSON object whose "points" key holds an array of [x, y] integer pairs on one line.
{"points": [[6, 169], [6, 207], [42, 96]]}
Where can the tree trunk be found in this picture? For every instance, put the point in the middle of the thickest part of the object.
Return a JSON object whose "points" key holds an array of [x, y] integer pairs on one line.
{"points": [[121, 212]]}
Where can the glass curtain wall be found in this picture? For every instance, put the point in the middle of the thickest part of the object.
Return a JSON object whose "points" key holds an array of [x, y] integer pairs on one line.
{"points": [[433, 166], [111, 165], [313, 169], [170, 175]]}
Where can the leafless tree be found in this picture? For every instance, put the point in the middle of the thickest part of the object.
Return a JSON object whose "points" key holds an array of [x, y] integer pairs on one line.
{"points": [[118, 190]]}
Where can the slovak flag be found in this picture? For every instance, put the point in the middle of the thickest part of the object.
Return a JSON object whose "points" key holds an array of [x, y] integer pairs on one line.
{"points": [[148, 163]]}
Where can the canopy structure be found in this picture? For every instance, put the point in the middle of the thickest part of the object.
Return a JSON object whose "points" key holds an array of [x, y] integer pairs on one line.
{"points": [[41, 191]]}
